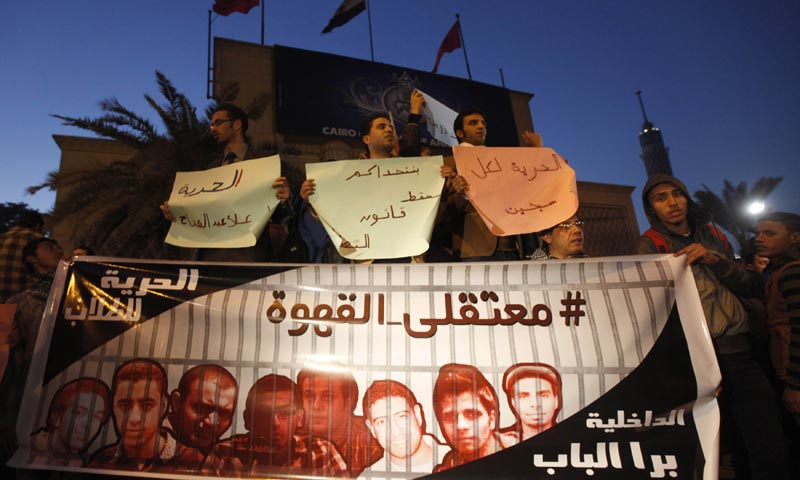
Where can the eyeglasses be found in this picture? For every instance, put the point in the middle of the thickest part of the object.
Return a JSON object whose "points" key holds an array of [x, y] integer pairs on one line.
{"points": [[568, 225], [220, 121]]}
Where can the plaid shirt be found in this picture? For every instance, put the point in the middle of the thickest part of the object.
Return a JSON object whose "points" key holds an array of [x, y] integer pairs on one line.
{"points": [[12, 269], [308, 456], [540, 254]]}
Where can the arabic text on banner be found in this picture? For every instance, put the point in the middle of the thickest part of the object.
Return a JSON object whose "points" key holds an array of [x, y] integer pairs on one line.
{"points": [[518, 190], [223, 207], [367, 371], [381, 208]]}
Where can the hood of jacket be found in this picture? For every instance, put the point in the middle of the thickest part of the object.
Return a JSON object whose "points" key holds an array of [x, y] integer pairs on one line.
{"points": [[695, 214]]}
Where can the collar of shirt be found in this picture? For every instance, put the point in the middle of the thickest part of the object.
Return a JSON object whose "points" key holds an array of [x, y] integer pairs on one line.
{"points": [[239, 152]]}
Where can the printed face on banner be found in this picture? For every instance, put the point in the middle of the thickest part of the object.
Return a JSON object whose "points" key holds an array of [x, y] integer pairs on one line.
{"points": [[325, 402], [205, 412], [81, 422], [466, 424], [139, 407], [275, 418], [397, 426], [536, 403]]}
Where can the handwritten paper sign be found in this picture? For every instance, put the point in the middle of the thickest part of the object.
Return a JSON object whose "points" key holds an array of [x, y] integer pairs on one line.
{"points": [[223, 207], [518, 189], [381, 208], [439, 118]]}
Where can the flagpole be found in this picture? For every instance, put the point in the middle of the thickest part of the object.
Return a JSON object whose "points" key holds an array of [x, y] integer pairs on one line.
{"points": [[463, 45], [502, 78], [208, 71], [262, 21], [369, 21]]}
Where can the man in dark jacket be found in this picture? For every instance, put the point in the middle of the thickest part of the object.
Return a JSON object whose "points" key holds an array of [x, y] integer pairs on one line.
{"points": [[680, 227]]}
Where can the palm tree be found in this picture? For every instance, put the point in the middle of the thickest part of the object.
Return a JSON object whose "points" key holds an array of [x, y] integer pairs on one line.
{"points": [[730, 211], [115, 207]]}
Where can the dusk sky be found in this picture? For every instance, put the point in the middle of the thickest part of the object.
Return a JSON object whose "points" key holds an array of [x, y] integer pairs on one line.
{"points": [[720, 78]]}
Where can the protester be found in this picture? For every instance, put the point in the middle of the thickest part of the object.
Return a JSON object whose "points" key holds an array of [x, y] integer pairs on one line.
{"points": [[229, 128], [12, 266], [380, 141], [471, 238], [561, 241], [778, 238], [680, 227]]}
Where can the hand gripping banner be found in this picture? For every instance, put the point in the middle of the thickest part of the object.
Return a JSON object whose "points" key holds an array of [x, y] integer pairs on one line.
{"points": [[598, 369]]}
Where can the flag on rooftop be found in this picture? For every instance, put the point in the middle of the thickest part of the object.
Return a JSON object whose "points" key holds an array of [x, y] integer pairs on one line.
{"points": [[348, 10], [226, 7], [451, 41]]}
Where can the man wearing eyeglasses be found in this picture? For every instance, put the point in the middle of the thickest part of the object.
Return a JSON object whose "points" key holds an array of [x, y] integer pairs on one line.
{"points": [[561, 241], [229, 129], [273, 416]]}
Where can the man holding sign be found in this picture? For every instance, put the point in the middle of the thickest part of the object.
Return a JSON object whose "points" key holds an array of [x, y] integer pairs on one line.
{"points": [[229, 128], [472, 238], [419, 189]]}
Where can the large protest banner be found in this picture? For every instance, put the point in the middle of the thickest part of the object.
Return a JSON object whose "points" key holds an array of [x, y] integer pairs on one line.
{"points": [[592, 368]]}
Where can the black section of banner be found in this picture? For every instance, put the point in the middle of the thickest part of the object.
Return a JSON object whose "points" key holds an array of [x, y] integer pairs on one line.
{"points": [[664, 381], [113, 285]]}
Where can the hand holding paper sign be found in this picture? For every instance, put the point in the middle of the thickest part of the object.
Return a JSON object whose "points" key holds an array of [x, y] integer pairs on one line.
{"points": [[225, 207], [375, 209], [517, 190]]}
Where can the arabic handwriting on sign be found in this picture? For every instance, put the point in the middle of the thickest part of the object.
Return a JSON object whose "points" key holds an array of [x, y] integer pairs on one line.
{"points": [[216, 186], [405, 171], [390, 213], [608, 456], [669, 419], [547, 168], [226, 221], [369, 172], [487, 168], [533, 206], [541, 315], [415, 198], [365, 244]]}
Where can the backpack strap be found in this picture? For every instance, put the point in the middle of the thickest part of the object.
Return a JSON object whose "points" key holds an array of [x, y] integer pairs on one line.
{"points": [[658, 240], [719, 234]]}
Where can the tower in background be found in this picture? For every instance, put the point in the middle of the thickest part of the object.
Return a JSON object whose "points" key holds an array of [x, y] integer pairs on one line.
{"points": [[654, 154]]}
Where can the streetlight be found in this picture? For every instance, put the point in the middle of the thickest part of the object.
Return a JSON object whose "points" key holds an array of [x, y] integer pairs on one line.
{"points": [[756, 207]]}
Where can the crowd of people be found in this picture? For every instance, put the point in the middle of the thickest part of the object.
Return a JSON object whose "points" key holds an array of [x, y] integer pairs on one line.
{"points": [[752, 312]]}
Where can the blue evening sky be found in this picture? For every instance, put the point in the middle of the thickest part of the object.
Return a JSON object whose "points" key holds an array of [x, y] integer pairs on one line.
{"points": [[720, 78]]}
